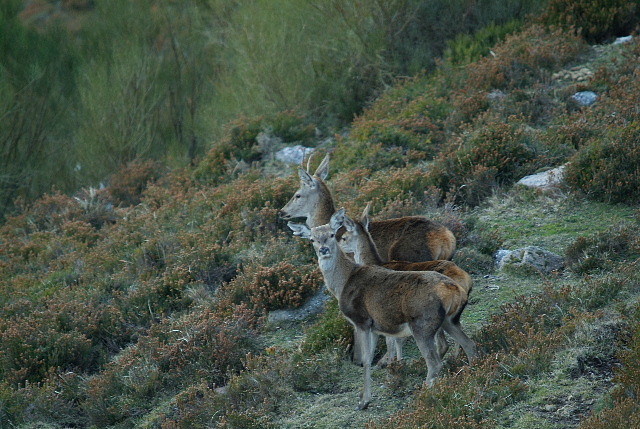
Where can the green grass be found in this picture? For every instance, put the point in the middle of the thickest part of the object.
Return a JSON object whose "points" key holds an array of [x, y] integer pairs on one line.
{"points": [[552, 222]]}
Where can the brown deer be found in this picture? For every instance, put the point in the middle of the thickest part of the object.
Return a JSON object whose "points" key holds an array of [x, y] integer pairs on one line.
{"points": [[357, 240], [392, 303], [409, 238]]}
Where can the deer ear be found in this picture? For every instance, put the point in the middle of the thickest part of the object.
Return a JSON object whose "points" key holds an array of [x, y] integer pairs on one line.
{"points": [[365, 216], [337, 219], [349, 223], [323, 169], [306, 178], [299, 229]]}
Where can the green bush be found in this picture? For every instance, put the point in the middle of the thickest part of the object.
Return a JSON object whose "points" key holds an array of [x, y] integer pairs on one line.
{"points": [[606, 168], [484, 159], [600, 252], [240, 143], [595, 20], [468, 48], [525, 57], [330, 332]]}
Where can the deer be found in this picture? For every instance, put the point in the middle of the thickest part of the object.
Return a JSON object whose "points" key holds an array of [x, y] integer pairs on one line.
{"points": [[379, 301], [408, 238], [356, 240]]}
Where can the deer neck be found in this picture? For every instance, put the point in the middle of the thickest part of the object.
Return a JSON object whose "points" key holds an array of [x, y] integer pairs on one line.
{"points": [[366, 252], [321, 213], [336, 272]]}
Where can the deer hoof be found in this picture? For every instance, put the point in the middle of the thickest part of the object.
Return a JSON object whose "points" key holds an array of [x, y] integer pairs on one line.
{"points": [[363, 406]]}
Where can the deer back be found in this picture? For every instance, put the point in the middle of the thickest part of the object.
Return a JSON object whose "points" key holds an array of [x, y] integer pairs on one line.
{"points": [[413, 239], [448, 268]]}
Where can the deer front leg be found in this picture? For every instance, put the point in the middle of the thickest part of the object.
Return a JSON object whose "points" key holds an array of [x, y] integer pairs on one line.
{"points": [[367, 339]]}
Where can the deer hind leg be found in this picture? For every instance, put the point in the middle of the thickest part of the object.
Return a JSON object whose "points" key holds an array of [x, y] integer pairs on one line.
{"points": [[357, 347], [441, 343], [367, 343], [394, 351], [425, 339], [454, 329]]}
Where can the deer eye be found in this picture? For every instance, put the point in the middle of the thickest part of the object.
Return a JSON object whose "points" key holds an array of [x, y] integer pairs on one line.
{"points": [[333, 235], [298, 195]]}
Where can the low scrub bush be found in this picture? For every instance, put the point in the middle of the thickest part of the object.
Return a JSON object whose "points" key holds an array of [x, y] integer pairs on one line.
{"points": [[601, 251], [462, 400], [482, 160], [240, 143], [624, 411], [127, 185], [524, 58], [606, 168], [595, 20], [202, 346], [267, 288]]}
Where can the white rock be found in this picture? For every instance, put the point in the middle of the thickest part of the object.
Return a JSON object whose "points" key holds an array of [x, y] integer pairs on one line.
{"points": [[293, 154], [585, 98], [621, 40], [545, 180], [533, 256]]}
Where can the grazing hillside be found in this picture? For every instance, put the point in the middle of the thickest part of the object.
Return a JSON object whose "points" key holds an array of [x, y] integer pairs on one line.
{"points": [[174, 296]]}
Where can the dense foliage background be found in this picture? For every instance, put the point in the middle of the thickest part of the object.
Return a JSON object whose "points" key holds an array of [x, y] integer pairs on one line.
{"points": [[140, 249]]}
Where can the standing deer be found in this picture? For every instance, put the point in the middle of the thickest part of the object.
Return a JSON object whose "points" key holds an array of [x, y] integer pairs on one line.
{"points": [[392, 303], [357, 240], [409, 238]]}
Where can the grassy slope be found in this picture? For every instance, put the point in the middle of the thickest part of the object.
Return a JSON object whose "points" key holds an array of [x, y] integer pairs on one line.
{"points": [[156, 277], [555, 399]]}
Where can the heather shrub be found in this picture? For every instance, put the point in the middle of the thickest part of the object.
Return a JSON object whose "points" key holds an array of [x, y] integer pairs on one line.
{"points": [[266, 288], [624, 414], [127, 185], [599, 252], [462, 400], [624, 410], [50, 403], [518, 326], [68, 334], [595, 20], [525, 57], [203, 345], [385, 189], [606, 168], [485, 158], [240, 143]]}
